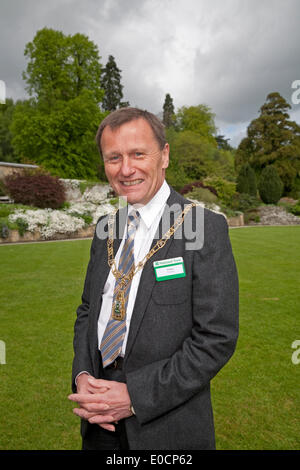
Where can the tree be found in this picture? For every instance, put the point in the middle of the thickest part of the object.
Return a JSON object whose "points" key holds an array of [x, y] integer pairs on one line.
{"points": [[56, 127], [168, 111], [270, 185], [62, 140], [198, 119], [193, 158], [60, 67], [6, 148], [272, 139], [222, 143], [111, 82], [194, 153], [246, 180]]}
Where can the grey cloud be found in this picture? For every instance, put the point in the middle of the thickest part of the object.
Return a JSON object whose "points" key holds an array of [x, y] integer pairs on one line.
{"points": [[228, 55], [245, 66]]}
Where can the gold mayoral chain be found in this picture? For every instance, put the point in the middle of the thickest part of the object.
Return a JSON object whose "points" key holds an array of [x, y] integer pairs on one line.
{"points": [[119, 310]]}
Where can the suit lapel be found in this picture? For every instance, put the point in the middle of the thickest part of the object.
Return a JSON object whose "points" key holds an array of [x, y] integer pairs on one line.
{"points": [[147, 280]]}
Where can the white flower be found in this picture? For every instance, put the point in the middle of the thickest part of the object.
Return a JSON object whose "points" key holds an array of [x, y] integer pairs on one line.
{"points": [[96, 210], [103, 209], [48, 221], [96, 194], [71, 183], [81, 207]]}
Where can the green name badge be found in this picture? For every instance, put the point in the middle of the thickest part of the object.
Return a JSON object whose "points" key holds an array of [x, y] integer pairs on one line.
{"points": [[169, 269]]}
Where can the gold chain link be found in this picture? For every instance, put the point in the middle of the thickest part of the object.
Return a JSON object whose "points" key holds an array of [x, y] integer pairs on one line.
{"points": [[159, 244]]}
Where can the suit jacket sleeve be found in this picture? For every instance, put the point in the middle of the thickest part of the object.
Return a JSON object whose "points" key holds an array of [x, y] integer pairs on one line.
{"points": [[82, 359], [163, 385]]}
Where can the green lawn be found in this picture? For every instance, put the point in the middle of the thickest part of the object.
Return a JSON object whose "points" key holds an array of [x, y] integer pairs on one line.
{"points": [[255, 396]]}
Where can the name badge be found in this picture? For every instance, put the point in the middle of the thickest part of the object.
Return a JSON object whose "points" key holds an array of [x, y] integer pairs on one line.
{"points": [[169, 269]]}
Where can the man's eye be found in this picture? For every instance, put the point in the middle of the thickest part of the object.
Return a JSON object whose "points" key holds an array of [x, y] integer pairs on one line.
{"points": [[113, 158], [139, 154]]}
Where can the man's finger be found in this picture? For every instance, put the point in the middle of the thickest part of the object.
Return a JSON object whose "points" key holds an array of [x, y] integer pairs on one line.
{"points": [[93, 389], [84, 414], [92, 407], [99, 383], [84, 397], [108, 427], [101, 419]]}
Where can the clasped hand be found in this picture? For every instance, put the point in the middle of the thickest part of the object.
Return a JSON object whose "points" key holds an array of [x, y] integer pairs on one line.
{"points": [[103, 402]]}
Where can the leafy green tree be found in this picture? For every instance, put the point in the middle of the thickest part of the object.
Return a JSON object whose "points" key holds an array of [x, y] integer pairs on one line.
{"points": [[199, 120], [272, 139], [194, 153], [168, 111], [56, 127], [111, 82], [60, 67], [193, 158], [246, 180], [62, 140], [270, 185], [6, 148]]}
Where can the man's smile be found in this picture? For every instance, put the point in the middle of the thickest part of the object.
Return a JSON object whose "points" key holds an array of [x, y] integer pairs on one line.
{"points": [[132, 182]]}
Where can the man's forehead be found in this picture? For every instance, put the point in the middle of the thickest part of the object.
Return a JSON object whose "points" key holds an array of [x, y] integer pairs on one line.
{"points": [[136, 130]]}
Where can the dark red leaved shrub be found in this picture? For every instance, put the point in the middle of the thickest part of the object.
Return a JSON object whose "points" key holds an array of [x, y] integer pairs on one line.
{"points": [[197, 184], [35, 188]]}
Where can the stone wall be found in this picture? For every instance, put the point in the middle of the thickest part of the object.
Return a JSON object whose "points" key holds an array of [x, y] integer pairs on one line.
{"points": [[15, 237], [236, 221], [7, 168]]}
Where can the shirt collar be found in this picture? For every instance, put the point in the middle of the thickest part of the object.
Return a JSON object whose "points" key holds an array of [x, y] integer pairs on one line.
{"points": [[150, 210]]}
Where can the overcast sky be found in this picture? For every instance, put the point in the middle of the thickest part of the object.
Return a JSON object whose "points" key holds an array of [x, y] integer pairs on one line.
{"points": [[227, 54]]}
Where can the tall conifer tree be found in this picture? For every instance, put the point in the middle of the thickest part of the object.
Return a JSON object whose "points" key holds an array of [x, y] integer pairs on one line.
{"points": [[111, 83], [168, 108]]}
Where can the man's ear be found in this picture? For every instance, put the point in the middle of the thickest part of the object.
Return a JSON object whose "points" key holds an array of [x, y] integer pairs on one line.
{"points": [[165, 156]]}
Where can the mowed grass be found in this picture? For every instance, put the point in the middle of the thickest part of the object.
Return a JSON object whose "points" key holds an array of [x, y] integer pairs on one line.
{"points": [[40, 290], [255, 396]]}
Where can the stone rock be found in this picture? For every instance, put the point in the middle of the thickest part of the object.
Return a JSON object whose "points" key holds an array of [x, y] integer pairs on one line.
{"points": [[96, 194], [276, 215]]}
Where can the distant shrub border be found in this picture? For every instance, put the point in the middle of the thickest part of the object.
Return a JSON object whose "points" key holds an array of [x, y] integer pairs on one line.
{"points": [[197, 184], [35, 188]]}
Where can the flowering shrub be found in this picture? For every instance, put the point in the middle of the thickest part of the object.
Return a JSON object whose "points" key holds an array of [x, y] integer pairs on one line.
{"points": [[49, 221], [35, 188], [79, 212], [95, 210]]}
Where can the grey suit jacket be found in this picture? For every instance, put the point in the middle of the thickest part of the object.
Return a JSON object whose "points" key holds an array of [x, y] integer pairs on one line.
{"points": [[182, 332]]}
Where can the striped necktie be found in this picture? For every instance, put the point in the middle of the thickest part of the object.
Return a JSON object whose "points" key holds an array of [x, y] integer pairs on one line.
{"points": [[111, 344]]}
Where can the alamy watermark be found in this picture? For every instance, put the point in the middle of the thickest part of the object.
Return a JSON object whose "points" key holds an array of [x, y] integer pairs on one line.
{"points": [[2, 352], [2, 92], [296, 94], [192, 230], [296, 354]]}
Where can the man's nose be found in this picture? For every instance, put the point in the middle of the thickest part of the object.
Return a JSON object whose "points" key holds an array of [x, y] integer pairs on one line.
{"points": [[127, 167]]}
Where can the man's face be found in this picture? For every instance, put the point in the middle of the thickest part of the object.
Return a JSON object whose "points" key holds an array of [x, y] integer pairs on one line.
{"points": [[134, 164]]}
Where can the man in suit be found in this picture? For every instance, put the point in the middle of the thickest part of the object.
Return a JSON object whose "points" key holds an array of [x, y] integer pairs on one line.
{"points": [[150, 336]]}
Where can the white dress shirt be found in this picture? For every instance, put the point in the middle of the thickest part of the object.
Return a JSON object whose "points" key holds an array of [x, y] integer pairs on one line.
{"points": [[150, 216]]}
